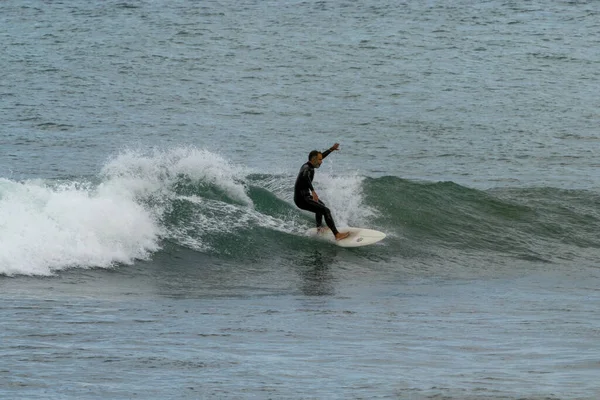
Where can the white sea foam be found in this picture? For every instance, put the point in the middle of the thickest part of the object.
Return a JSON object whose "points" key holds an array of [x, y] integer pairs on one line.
{"points": [[48, 228], [344, 196], [155, 175], [147, 173]]}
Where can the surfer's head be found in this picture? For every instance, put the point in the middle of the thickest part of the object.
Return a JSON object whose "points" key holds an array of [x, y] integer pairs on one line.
{"points": [[316, 158]]}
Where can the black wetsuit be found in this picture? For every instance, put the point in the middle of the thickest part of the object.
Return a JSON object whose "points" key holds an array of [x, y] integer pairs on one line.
{"points": [[303, 197]]}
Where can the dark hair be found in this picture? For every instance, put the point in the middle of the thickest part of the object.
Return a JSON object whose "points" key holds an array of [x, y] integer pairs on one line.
{"points": [[312, 154]]}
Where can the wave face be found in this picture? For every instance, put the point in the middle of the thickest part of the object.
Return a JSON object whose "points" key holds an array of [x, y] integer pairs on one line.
{"points": [[196, 199], [539, 223]]}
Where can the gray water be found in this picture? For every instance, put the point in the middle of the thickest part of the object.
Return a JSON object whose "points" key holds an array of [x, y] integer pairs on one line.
{"points": [[111, 288], [470, 92]]}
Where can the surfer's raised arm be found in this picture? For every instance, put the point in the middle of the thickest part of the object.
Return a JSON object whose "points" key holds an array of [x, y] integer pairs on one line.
{"points": [[330, 150]]}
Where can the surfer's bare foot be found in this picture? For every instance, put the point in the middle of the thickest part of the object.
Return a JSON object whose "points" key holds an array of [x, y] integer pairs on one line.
{"points": [[322, 229], [341, 235]]}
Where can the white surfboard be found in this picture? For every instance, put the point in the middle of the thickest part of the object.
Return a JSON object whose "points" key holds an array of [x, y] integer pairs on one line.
{"points": [[358, 236]]}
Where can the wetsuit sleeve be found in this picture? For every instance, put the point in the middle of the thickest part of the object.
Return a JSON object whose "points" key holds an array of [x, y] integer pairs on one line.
{"points": [[326, 153]]}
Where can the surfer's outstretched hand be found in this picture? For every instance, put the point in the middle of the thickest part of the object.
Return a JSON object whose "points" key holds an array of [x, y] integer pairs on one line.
{"points": [[336, 146]]}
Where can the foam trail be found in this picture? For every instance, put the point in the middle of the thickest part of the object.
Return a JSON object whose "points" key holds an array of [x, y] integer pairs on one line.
{"points": [[344, 197], [212, 217], [343, 194], [45, 228]]}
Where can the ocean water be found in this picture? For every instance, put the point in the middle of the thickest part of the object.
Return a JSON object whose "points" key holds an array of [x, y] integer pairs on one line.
{"points": [[150, 248]]}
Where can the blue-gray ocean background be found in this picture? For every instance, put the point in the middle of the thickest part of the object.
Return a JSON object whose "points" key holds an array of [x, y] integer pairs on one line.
{"points": [[150, 248]]}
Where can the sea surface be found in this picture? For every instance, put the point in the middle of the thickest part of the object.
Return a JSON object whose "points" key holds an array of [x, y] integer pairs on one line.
{"points": [[150, 247]]}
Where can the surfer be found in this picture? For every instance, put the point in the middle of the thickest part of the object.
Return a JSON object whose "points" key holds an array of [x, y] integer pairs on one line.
{"points": [[305, 196]]}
